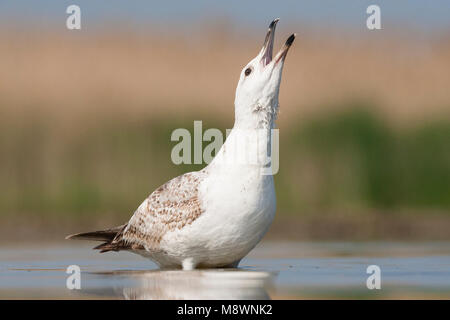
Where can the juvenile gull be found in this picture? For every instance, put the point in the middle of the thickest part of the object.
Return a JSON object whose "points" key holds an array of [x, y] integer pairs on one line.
{"points": [[215, 216]]}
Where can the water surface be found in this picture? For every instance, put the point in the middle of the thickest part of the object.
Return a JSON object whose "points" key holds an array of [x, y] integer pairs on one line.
{"points": [[271, 271]]}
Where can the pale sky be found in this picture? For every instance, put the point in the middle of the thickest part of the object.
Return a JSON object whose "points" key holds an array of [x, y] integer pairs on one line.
{"points": [[425, 16]]}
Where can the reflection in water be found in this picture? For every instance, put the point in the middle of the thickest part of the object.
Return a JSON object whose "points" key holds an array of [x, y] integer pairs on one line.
{"points": [[219, 284]]}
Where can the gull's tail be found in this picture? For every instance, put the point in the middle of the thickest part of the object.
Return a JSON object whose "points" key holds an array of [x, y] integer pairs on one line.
{"points": [[109, 236]]}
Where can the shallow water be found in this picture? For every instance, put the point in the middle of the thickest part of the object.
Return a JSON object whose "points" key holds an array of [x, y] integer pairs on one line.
{"points": [[271, 271]]}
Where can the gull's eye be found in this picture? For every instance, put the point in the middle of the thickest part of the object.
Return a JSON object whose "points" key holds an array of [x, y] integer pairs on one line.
{"points": [[248, 71]]}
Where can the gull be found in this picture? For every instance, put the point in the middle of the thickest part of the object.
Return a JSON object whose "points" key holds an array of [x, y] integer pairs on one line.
{"points": [[214, 217]]}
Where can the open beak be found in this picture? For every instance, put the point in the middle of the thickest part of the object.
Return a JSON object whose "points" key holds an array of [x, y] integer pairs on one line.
{"points": [[281, 55], [267, 49]]}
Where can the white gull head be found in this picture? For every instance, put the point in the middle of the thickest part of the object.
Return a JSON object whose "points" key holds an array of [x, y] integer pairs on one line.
{"points": [[256, 100]]}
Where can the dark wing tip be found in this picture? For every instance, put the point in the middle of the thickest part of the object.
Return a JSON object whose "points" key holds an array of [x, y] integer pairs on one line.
{"points": [[79, 236], [101, 235]]}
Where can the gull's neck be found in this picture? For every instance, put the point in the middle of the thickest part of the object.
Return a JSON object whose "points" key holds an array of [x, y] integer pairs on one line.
{"points": [[256, 116], [249, 143]]}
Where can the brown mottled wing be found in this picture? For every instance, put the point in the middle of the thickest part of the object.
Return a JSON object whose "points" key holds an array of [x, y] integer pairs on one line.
{"points": [[172, 206]]}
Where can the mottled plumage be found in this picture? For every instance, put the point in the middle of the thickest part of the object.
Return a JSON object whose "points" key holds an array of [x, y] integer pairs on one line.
{"points": [[172, 206]]}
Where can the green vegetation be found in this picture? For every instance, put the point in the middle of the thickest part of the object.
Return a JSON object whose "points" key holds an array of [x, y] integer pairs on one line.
{"points": [[351, 160], [359, 161]]}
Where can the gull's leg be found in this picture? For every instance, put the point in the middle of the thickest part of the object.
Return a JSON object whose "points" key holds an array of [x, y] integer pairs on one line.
{"points": [[189, 264]]}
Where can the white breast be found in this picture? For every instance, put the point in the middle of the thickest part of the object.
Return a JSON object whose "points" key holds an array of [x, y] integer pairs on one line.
{"points": [[239, 205]]}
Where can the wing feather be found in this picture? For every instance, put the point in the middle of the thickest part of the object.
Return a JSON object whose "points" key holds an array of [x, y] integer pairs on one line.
{"points": [[172, 206]]}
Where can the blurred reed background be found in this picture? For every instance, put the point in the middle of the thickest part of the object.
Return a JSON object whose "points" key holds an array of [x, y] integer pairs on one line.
{"points": [[86, 118]]}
